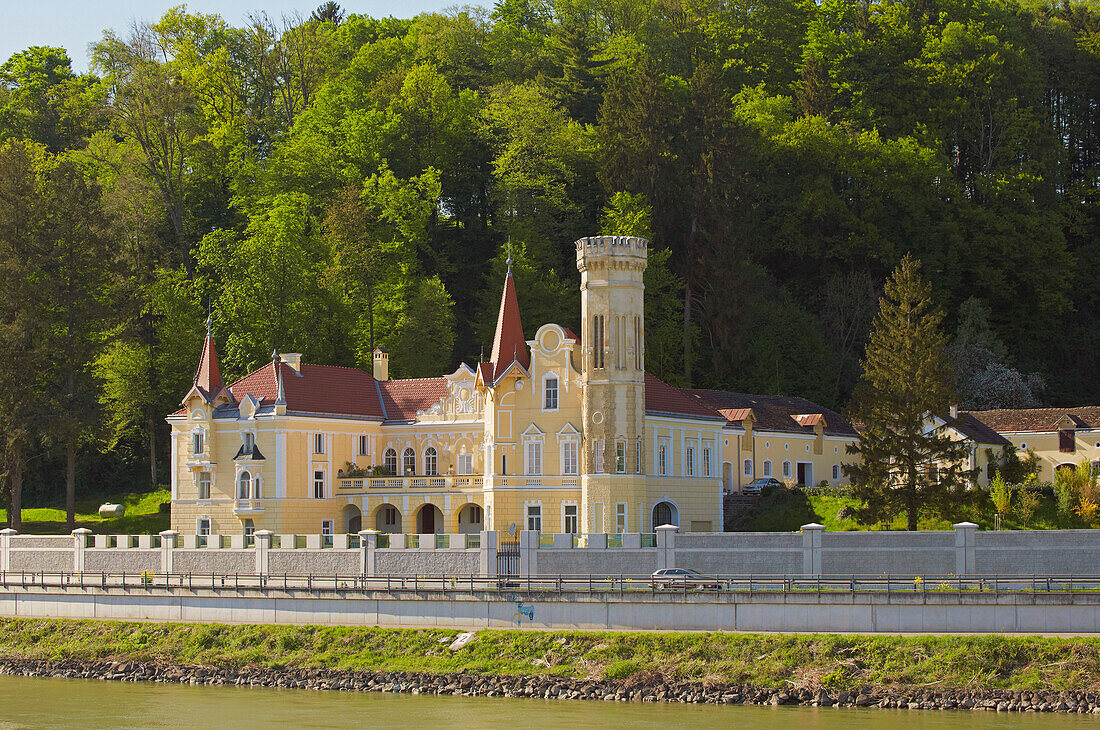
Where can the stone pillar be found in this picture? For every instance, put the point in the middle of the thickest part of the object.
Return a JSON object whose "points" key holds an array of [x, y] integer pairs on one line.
{"points": [[528, 553], [368, 543], [964, 548], [80, 540], [263, 545], [168, 541], [811, 548], [5, 548], [487, 554], [666, 546]]}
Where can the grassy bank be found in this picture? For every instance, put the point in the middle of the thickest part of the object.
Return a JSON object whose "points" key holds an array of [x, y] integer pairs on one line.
{"points": [[807, 660], [786, 510], [143, 515]]}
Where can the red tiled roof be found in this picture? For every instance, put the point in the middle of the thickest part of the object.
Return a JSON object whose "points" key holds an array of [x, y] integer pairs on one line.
{"points": [[508, 342], [318, 389], [208, 377], [660, 397], [774, 412], [1034, 420], [977, 431], [403, 398], [572, 335]]}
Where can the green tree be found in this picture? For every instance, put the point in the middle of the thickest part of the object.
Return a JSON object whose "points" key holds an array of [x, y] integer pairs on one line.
{"points": [[903, 468]]}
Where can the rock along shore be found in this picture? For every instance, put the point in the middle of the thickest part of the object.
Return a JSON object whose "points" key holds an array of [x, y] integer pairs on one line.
{"points": [[642, 688]]}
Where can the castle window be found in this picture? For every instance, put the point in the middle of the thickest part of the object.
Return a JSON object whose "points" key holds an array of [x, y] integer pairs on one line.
{"points": [[364, 445], [389, 460], [534, 517], [244, 485], [408, 461], [319, 484], [318, 443], [620, 457], [706, 461], [570, 521], [431, 461], [533, 453], [197, 442], [204, 485], [598, 446], [465, 463], [748, 467], [550, 394], [597, 341], [662, 458], [786, 469], [638, 456], [249, 440], [689, 460], [767, 467], [569, 458]]}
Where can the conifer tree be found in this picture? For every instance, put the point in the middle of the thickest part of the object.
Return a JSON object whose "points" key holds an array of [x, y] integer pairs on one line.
{"points": [[905, 467]]}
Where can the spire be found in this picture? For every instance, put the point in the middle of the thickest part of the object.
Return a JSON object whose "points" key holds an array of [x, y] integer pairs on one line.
{"points": [[208, 376], [508, 343]]}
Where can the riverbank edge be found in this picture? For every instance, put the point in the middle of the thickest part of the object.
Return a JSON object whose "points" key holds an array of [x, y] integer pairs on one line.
{"points": [[640, 688]]}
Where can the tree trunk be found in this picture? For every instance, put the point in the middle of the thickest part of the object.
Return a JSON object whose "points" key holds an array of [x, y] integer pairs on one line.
{"points": [[15, 519], [152, 453], [70, 482]]}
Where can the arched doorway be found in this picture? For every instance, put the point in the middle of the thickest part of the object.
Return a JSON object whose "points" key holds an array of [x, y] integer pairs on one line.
{"points": [[429, 520], [471, 519], [353, 519], [387, 519], [665, 513]]}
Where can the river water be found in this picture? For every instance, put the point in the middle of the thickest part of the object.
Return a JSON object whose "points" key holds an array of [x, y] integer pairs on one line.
{"points": [[65, 703]]}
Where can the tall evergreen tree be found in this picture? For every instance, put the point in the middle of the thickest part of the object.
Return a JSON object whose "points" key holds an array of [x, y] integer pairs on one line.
{"points": [[905, 468]]}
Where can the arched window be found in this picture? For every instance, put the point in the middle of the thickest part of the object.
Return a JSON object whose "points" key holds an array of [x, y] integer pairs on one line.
{"points": [[786, 469], [430, 461], [836, 471], [244, 485], [408, 461], [389, 460], [767, 467], [748, 467]]}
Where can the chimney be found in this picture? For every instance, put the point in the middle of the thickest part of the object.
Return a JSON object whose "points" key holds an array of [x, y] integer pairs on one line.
{"points": [[381, 364], [293, 359], [954, 411]]}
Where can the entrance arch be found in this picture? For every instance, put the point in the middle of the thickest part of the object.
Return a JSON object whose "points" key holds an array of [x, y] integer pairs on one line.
{"points": [[471, 519], [353, 519], [429, 520], [665, 513], [387, 518]]}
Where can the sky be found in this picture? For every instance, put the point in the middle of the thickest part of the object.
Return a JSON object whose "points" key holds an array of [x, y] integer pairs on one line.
{"points": [[74, 24]]}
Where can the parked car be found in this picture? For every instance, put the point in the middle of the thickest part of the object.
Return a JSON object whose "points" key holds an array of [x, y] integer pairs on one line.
{"points": [[681, 579], [756, 486]]}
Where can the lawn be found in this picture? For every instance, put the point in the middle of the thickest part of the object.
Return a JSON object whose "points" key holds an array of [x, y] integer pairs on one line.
{"points": [[786, 510], [144, 515], [769, 660]]}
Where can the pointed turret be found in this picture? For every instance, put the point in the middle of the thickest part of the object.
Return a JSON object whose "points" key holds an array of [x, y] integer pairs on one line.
{"points": [[508, 344], [208, 376]]}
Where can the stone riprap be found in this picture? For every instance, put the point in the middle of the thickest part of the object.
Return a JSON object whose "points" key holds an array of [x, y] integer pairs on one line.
{"points": [[643, 687]]}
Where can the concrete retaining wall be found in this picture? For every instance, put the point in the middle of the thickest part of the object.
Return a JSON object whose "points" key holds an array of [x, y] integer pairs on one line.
{"points": [[1054, 613]]}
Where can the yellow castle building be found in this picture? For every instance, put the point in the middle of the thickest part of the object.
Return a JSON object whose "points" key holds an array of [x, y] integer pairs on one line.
{"points": [[559, 434]]}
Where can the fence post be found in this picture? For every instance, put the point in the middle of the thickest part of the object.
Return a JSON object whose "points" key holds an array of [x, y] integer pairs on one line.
{"points": [[487, 554], [5, 548], [528, 553], [368, 543], [168, 539], [666, 546], [964, 548], [79, 542], [263, 544], [811, 548]]}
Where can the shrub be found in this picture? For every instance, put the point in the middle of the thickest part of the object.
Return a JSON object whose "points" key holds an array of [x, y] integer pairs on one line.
{"points": [[1087, 509], [1027, 501], [621, 669], [1000, 494]]}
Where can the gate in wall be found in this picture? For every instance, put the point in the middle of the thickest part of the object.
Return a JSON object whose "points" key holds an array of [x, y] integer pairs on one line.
{"points": [[508, 559]]}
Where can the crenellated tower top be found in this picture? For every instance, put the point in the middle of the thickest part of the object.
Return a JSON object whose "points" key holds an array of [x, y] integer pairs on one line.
{"points": [[612, 252]]}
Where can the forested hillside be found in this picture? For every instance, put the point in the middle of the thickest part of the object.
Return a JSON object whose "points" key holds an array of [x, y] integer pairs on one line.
{"points": [[329, 183]]}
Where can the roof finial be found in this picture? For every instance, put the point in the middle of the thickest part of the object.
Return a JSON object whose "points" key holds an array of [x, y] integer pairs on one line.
{"points": [[274, 354], [509, 259], [209, 317]]}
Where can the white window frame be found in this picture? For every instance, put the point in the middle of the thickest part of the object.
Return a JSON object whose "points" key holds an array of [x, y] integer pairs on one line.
{"points": [[689, 459], [662, 457], [364, 445], [836, 472], [620, 517], [638, 448], [431, 461], [597, 456], [551, 393], [465, 464], [244, 484], [203, 526], [708, 462], [570, 457], [406, 454], [319, 480], [198, 442], [620, 457], [570, 523], [787, 469], [396, 461], [319, 444], [532, 457], [767, 467], [328, 527], [204, 482], [248, 441], [747, 467], [389, 515], [533, 521]]}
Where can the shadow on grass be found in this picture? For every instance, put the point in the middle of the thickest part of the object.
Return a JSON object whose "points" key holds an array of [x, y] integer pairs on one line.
{"points": [[778, 509]]}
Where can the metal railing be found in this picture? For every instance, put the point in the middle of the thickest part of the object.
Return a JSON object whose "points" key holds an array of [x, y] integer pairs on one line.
{"points": [[551, 586]]}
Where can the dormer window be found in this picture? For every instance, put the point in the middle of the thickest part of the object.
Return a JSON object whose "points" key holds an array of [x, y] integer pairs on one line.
{"points": [[550, 394], [249, 439]]}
